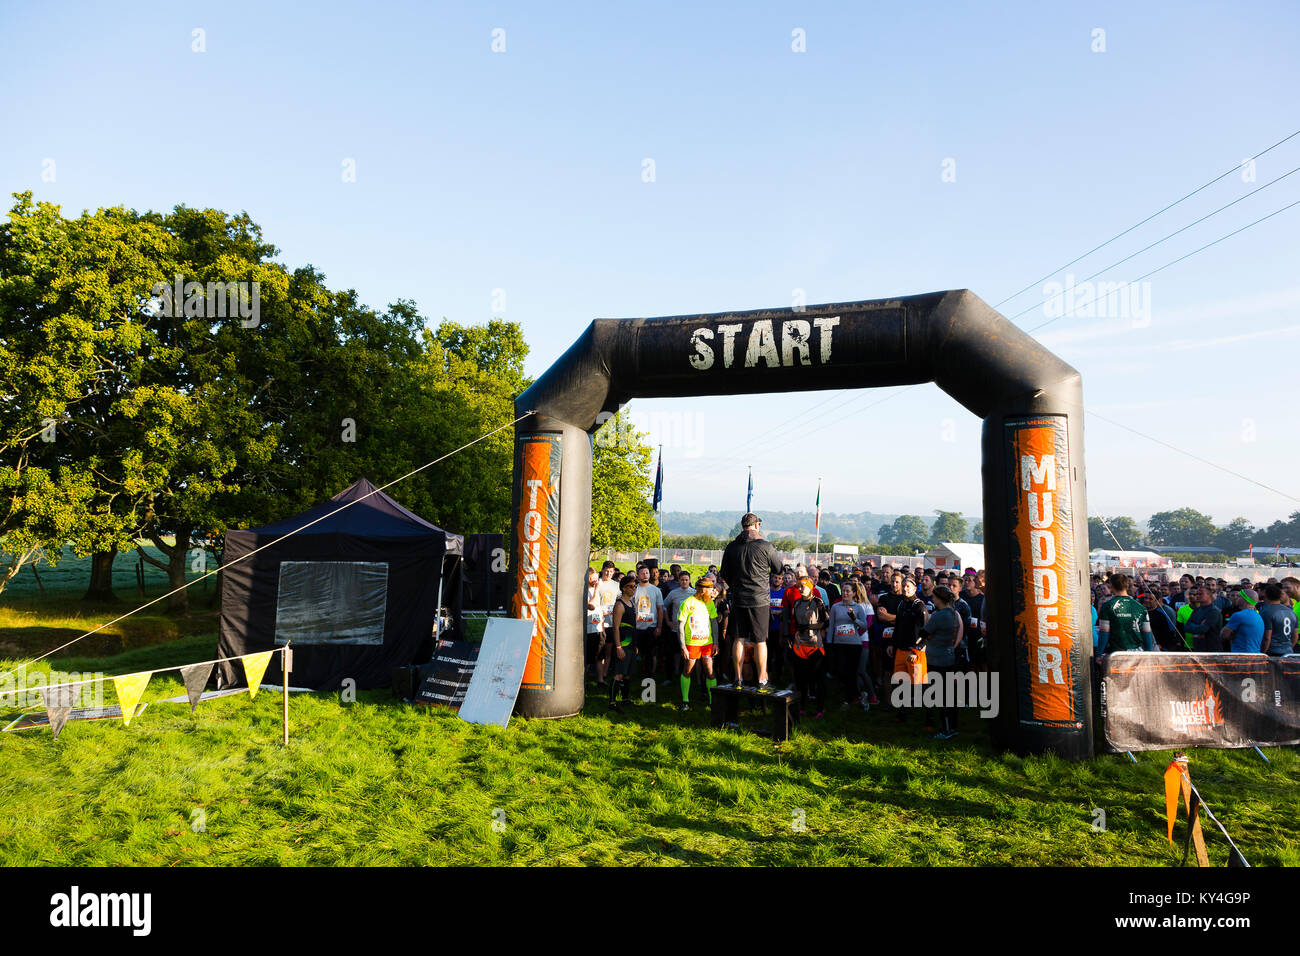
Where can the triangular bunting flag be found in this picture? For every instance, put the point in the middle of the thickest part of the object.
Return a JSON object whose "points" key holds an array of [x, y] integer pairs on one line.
{"points": [[254, 668], [58, 703], [196, 678], [129, 691]]}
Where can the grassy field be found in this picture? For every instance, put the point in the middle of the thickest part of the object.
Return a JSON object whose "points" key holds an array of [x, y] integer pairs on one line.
{"points": [[379, 782], [70, 576]]}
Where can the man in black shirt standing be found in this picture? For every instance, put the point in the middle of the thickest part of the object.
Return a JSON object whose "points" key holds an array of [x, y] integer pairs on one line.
{"points": [[747, 566]]}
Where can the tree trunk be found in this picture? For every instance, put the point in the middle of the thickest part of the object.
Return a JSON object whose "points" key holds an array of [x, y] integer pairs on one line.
{"points": [[176, 562], [101, 576], [177, 555], [16, 565]]}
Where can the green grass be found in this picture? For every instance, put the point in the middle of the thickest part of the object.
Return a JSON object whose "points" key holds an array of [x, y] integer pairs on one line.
{"points": [[379, 782], [71, 576], [29, 626]]}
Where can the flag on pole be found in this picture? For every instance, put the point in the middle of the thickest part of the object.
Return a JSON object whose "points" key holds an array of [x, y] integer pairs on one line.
{"points": [[818, 524], [749, 495], [659, 479]]}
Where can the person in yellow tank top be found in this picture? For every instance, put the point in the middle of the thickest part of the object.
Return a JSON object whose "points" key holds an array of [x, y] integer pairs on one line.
{"points": [[696, 635]]}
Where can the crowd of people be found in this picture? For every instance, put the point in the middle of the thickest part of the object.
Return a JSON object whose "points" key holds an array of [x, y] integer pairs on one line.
{"points": [[843, 632], [1203, 614], [756, 621]]}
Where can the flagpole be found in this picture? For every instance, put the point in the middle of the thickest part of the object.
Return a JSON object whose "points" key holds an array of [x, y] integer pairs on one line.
{"points": [[660, 489], [818, 546]]}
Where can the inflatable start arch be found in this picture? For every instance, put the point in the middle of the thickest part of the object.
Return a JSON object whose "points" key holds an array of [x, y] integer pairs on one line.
{"points": [[1035, 513]]}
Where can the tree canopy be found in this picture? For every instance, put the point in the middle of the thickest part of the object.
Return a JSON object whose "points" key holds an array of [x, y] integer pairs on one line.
{"points": [[162, 377], [621, 486]]}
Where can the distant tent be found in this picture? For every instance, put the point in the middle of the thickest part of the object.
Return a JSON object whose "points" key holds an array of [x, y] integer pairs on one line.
{"points": [[956, 556], [356, 593]]}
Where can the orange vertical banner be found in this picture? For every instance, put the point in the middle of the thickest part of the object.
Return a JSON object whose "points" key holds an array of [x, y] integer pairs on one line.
{"points": [[1050, 663], [536, 531]]}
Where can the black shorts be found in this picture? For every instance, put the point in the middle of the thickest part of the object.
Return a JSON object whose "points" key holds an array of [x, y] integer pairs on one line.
{"points": [[750, 624], [646, 641]]}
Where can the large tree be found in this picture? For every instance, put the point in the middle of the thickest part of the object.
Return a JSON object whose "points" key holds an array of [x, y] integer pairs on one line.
{"points": [[174, 421], [1283, 533], [948, 526], [72, 374], [1124, 528], [1185, 526], [906, 531], [1235, 536], [621, 486]]}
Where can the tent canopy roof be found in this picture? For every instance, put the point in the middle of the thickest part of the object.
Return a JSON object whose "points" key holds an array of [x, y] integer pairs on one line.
{"points": [[1111, 553], [377, 516]]}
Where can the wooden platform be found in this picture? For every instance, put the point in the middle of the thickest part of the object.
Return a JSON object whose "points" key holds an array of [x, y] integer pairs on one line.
{"points": [[726, 707]]}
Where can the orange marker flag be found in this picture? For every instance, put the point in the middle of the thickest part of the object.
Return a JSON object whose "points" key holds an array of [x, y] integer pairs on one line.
{"points": [[1174, 775]]}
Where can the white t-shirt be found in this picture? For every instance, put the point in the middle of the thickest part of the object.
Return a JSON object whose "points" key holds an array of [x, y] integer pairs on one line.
{"points": [[606, 594], [595, 616], [646, 602]]}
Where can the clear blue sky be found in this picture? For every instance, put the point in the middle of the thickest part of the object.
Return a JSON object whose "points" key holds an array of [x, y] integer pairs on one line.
{"points": [[774, 171]]}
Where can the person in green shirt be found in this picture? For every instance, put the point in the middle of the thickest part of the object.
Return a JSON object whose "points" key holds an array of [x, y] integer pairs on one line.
{"points": [[1122, 622], [1184, 612], [695, 633]]}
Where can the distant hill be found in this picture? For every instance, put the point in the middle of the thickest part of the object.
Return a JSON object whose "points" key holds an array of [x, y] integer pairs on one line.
{"points": [[863, 526]]}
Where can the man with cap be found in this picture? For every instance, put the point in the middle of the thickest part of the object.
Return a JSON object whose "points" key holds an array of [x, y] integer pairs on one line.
{"points": [[747, 566], [1244, 631]]}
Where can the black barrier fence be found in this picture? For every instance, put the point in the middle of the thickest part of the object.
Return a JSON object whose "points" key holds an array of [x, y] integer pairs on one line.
{"points": [[1164, 701]]}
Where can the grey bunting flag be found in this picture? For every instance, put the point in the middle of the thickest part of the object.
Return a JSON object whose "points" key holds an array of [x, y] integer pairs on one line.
{"points": [[196, 678], [58, 703]]}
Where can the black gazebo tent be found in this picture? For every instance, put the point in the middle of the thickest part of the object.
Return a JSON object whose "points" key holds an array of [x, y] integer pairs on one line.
{"points": [[355, 594]]}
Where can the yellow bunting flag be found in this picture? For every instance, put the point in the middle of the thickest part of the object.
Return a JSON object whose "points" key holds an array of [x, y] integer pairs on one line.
{"points": [[254, 668], [129, 691]]}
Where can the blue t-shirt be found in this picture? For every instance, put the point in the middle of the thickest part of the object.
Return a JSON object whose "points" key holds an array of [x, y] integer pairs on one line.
{"points": [[1096, 634], [1247, 631]]}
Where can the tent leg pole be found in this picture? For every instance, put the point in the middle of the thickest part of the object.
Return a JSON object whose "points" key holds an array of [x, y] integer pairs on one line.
{"points": [[1261, 755], [437, 611], [285, 663]]}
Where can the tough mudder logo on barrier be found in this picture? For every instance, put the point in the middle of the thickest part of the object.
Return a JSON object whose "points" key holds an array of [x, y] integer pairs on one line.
{"points": [[1164, 701], [1203, 711], [537, 504], [1050, 658]]}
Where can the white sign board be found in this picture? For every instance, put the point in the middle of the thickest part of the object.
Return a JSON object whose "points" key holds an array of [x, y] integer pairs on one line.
{"points": [[490, 697]]}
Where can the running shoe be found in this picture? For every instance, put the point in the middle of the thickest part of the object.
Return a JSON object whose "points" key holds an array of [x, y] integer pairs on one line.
{"points": [[873, 700]]}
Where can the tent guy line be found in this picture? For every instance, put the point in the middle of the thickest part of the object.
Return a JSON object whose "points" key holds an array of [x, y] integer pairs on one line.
{"points": [[163, 597]]}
